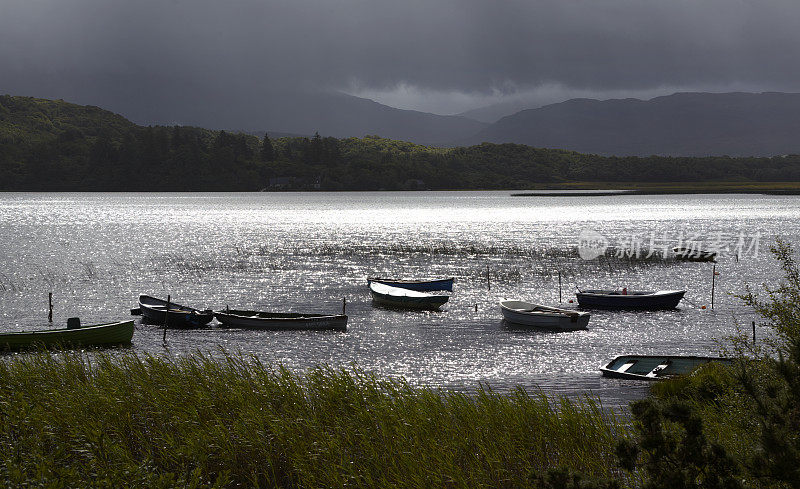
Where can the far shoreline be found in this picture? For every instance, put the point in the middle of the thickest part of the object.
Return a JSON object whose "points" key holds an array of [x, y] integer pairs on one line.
{"points": [[606, 189], [612, 193], [562, 189]]}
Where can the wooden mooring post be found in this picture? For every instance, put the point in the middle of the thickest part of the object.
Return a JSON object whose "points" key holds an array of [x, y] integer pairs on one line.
{"points": [[166, 316], [488, 280], [754, 332], [713, 282], [344, 305], [559, 286], [50, 302]]}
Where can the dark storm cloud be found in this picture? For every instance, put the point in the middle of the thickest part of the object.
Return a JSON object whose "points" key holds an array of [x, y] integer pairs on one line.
{"points": [[114, 49]]}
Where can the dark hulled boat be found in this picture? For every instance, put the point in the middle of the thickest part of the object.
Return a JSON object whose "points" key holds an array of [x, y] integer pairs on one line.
{"points": [[691, 254], [154, 311], [281, 320], [654, 367], [625, 299], [418, 285]]}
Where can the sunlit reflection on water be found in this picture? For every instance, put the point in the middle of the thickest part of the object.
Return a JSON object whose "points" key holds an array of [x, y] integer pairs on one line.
{"points": [[307, 251]]}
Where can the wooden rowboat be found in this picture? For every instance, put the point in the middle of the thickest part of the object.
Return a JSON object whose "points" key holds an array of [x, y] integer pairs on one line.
{"points": [[654, 367], [418, 285], [280, 321], [154, 312], [106, 334], [529, 314], [389, 296], [691, 254], [630, 299]]}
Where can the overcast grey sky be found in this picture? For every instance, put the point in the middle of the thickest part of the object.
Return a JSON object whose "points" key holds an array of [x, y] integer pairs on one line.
{"points": [[443, 56]]}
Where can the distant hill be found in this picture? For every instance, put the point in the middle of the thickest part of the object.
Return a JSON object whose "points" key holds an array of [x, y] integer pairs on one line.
{"points": [[333, 114], [32, 119], [48, 145], [683, 124], [494, 112]]}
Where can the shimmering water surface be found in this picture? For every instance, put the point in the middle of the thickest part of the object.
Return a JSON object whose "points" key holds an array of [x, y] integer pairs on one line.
{"points": [[306, 251]]}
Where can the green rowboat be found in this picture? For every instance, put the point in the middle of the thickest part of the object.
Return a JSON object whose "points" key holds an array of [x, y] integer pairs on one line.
{"points": [[118, 333]]}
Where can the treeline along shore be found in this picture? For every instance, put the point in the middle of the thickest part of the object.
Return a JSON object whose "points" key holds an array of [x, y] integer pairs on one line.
{"points": [[50, 145]]}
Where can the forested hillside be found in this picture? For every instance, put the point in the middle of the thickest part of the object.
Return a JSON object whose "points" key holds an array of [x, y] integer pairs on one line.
{"points": [[54, 145]]}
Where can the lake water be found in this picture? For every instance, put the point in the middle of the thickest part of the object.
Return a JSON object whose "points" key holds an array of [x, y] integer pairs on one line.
{"points": [[306, 251]]}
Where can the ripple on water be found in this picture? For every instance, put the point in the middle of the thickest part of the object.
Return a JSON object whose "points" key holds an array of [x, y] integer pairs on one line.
{"points": [[306, 251]]}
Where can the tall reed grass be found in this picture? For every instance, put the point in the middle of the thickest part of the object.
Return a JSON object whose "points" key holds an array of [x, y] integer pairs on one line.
{"points": [[540, 261], [72, 419]]}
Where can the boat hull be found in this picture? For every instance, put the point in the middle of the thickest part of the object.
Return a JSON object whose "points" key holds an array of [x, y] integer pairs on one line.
{"points": [[154, 312], [571, 321], [409, 302], [280, 321], [445, 284], [689, 254], [402, 298], [654, 367], [659, 300], [107, 334]]}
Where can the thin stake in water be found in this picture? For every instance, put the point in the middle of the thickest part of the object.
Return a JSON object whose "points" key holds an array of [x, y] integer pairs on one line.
{"points": [[166, 315], [713, 281], [50, 301], [559, 286]]}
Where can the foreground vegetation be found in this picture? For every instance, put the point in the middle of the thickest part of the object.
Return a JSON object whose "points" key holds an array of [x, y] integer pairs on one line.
{"points": [[231, 421], [54, 145], [127, 419], [733, 427]]}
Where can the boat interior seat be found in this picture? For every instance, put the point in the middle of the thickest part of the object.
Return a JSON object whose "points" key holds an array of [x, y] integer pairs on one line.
{"points": [[171, 309], [659, 368]]}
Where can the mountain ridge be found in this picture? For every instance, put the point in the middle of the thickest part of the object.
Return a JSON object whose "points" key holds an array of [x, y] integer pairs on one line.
{"points": [[48, 145], [680, 124], [331, 113]]}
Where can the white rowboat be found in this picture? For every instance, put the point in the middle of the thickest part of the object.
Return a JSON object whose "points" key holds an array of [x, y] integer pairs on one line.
{"points": [[389, 296], [529, 314]]}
